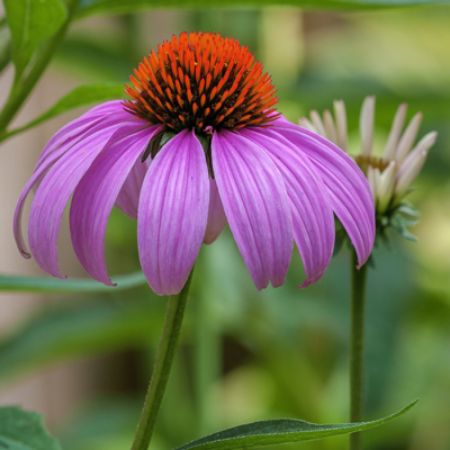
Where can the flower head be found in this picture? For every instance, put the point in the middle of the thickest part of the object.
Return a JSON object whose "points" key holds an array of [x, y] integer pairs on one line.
{"points": [[198, 144], [204, 82], [390, 172]]}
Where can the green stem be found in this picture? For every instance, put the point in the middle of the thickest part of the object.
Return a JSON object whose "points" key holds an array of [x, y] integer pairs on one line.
{"points": [[359, 278], [163, 363], [23, 86]]}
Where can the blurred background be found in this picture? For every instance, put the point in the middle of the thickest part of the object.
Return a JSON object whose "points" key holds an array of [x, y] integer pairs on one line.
{"points": [[84, 360]]}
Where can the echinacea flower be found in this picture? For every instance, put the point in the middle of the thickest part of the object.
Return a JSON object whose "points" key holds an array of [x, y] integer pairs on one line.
{"points": [[390, 172], [197, 144]]}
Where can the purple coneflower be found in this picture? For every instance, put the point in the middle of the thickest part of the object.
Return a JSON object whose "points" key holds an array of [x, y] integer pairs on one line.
{"points": [[198, 144]]}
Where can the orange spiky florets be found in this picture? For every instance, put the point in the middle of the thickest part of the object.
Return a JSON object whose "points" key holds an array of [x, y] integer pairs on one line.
{"points": [[201, 81]]}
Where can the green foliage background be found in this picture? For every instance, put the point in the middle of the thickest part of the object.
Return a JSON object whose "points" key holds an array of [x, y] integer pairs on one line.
{"points": [[248, 355]]}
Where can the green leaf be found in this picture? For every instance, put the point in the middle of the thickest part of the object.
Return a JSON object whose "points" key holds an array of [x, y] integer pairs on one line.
{"points": [[14, 283], [23, 430], [80, 96], [282, 431], [78, 328], [89, 7], [32, 22]]}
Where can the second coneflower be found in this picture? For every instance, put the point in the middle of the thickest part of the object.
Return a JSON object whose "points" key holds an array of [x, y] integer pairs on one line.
{"points": [[390, 172], [197, 144]]}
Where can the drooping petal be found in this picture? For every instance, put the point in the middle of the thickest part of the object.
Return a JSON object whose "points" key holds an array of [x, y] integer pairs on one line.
{"points": [[128, 199], [70, 139], [53, 194], [256, 205], [216, 215], [31, 183], [106, 114], [312, 214], [95, 195], [172, 213], [348, 189]]}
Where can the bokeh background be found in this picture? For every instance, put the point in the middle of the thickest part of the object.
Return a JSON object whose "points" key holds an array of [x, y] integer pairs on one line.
{"points": [[84, 360]]}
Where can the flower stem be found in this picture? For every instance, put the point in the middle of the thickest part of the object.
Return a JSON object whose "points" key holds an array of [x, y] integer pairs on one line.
{"points": [[359, 278], [163, 363]]}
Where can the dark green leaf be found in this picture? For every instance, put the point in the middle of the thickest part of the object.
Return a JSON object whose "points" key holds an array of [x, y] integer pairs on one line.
{"points": [[32, 22], [88, 7], [13, 283], [79, 327], [23, 430], [282, 431], [80, 96]]}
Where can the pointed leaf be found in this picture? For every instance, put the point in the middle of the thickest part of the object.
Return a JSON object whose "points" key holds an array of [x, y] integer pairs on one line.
{"points": [[32, 22], [23, 430], [281, 431]]}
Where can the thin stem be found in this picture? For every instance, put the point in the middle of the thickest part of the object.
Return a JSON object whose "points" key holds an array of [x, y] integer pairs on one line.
{"points": [[359, 278], [163, 363], [24, 85]]}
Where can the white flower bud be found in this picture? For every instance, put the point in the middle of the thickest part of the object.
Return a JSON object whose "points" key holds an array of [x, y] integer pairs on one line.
{"points": [[341, 124], [366, 125], [414, 162], [396, 130], [305, 123], [330, 129], [372, 178], [386, 186], [408, 138], [317, 122]]}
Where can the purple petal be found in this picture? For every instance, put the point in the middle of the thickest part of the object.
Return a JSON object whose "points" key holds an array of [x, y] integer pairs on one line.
{"points": [[97, 192], [71, 138], [31, 183], [106, 114], [256, 206], [348, 189], [172, 213], [128, 198], [216, 215], [312, 215], [54, 192]]}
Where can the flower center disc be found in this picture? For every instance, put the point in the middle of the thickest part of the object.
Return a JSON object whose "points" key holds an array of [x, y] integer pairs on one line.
{"points": [[201, 81]]}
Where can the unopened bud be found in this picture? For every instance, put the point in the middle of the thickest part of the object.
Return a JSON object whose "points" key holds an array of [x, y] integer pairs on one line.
{"points": [[408, 138], [341, 124], [366, 125], [396, 130]]}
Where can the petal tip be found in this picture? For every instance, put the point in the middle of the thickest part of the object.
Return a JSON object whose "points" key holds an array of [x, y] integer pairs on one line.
{"points": [[311, 280], [25, 254]]}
